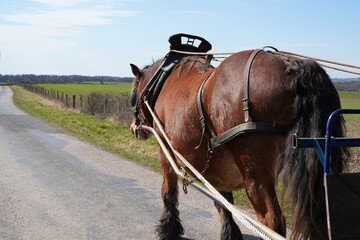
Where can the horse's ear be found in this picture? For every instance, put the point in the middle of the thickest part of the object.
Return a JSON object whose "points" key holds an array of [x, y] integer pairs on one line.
{"points": [[136, 71]]}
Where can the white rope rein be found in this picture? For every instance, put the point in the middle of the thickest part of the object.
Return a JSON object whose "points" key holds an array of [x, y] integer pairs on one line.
{"points": [[236, 212], [295, 55]]}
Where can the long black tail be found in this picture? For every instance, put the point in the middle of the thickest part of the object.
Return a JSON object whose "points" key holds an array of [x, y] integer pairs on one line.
{"points": [[315, 99]]}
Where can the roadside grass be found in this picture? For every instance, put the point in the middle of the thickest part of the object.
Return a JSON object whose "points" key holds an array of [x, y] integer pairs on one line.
{"points": [[118, 139]]}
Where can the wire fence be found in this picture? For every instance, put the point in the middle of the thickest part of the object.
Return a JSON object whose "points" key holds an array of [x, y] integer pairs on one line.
{"points": [[101, 105]]}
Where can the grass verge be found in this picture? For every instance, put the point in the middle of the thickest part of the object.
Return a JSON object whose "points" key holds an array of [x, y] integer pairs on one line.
{"points": [[86, 89]]}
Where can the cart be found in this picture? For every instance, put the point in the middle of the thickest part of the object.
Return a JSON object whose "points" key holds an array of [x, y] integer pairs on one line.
{"points": [[342, 191]]}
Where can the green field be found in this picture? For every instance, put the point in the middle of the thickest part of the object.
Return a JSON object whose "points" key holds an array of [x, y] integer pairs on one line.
{"points": [[85, 89], [350, 99]]}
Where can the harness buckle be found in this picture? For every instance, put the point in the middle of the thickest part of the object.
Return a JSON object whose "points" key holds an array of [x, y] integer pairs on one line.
{"points": [[246, 104]]}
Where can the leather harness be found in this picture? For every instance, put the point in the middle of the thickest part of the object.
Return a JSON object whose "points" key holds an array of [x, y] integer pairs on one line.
{"points": [[248, 127], [154, 86]]}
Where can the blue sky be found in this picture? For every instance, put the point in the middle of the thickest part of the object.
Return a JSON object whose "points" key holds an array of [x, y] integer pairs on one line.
{"points": [[101, 37]]}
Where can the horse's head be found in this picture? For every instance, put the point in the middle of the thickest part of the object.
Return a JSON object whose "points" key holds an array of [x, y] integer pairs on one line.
{"points": [[137, 104]]}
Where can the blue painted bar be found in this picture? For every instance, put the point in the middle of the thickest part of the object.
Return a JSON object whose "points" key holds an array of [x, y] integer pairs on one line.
{"points": [[335, 142], [320, 152], [319, 144], [329, 139]]}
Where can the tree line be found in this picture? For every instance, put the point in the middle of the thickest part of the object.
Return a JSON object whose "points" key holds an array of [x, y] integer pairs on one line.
{"points": [[347, 86], [40, 79]]}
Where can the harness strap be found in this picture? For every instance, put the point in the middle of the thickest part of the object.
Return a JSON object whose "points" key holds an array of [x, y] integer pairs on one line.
{"points": [[248, 127], [207, 63], [204, 127], [246, 99]]}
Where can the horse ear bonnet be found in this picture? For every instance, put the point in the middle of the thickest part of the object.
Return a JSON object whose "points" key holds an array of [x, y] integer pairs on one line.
{"points": [[133, 98]]}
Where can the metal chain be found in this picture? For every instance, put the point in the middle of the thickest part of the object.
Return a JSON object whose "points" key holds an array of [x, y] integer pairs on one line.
{"points": [[186, 182], [207, 165]]}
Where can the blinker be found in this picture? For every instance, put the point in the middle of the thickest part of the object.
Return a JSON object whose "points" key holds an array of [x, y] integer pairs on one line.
{"points": [[133, 98]]}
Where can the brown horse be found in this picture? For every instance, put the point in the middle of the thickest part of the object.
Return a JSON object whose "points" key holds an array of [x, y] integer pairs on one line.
{"points": [[291, 92]]}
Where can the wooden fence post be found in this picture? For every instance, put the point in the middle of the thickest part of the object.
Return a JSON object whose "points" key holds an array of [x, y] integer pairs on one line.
{"points": [[74, 101], [81, 101], [105, 103], [67, 100]]}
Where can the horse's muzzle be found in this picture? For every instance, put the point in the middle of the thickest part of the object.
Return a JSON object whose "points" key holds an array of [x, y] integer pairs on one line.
{"points": [[139, 132]]}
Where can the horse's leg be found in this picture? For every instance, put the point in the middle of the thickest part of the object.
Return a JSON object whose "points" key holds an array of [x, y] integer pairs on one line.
{"points": [[229, 229], [263, 198], [257, 167], [170, 226]]}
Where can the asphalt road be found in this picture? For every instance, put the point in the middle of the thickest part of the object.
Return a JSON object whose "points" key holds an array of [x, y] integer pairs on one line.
{"points": [[55, 186]]}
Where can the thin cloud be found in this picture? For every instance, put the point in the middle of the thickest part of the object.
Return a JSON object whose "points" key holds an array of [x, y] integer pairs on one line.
{"points": [[17, 37], [68, 17], [65, 21], [46, 26]]}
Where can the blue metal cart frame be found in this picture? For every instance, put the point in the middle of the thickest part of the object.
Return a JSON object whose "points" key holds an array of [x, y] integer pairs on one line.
{"points": [[342, 191], [328, 141]]}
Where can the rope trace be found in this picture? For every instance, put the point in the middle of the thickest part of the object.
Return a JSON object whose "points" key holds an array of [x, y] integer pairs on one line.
{"points": [[284, 53]]}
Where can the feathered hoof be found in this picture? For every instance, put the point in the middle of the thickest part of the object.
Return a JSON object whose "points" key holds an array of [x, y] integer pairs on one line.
{"points": [[170, 227]]}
